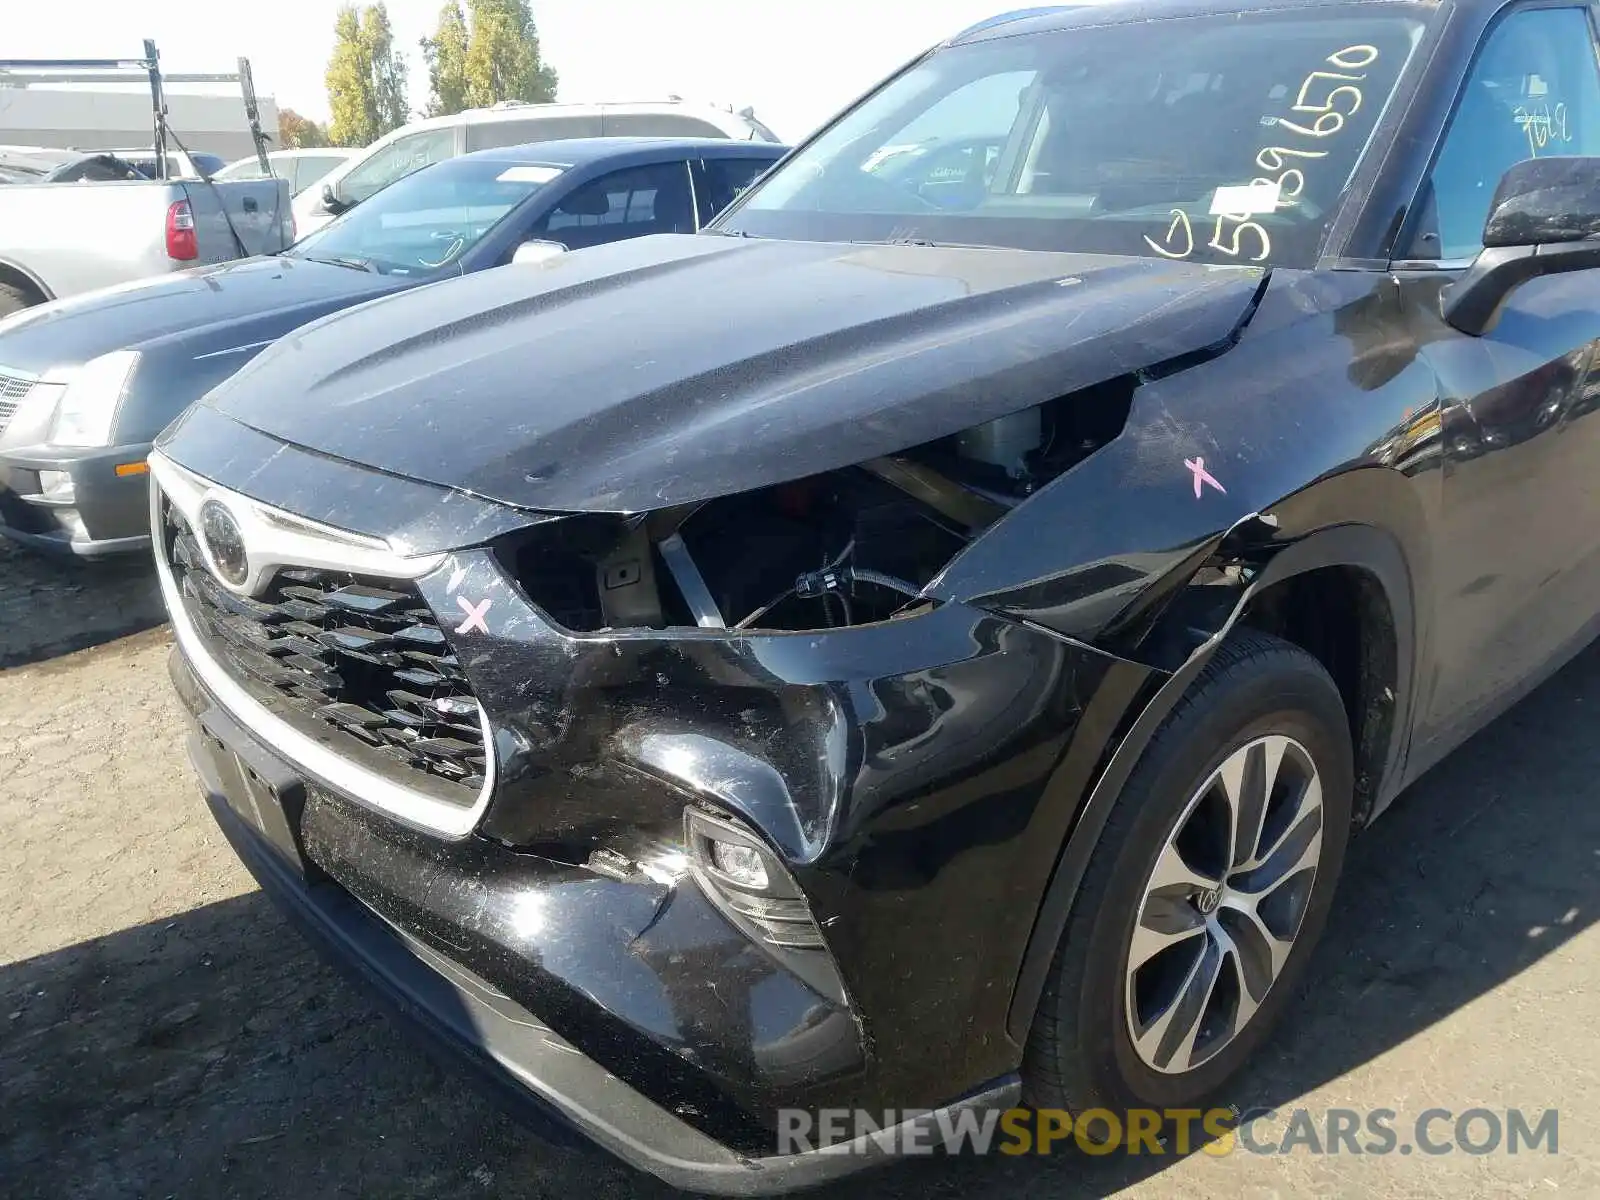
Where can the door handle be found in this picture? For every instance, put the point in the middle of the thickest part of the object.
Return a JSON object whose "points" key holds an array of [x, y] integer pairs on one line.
{"points": [[250, 204]]}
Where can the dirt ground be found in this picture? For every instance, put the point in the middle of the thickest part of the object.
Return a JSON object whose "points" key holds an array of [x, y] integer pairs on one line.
{"points": [[164, 1034]]}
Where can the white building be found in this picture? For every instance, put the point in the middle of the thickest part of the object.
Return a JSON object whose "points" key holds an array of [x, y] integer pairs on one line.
{"points": [[84, 118]]}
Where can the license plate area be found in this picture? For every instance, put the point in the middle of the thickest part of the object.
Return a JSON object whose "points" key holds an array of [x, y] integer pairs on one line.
{"points": [[263, 790]]}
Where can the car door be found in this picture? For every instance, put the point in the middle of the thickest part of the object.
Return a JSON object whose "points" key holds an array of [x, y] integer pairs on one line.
{"points": [[1517, 568], [628, 203]]}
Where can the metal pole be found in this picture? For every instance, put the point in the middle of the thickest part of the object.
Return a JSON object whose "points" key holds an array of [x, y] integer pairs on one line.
{"points": [[158, 102], [247, 85]]}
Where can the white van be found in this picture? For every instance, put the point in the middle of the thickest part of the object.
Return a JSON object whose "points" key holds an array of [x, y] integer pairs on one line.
{"points": [[511, 123]]}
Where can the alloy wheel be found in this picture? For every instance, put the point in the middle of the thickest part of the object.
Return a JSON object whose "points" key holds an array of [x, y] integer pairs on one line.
{"points": [[1224, 903]]}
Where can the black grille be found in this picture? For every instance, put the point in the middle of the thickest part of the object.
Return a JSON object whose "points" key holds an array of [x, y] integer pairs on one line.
{"points": [[356, 661]]}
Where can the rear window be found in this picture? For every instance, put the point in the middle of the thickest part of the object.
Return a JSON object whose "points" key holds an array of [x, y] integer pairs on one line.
{"points": [[488, 135], [659, 125]]}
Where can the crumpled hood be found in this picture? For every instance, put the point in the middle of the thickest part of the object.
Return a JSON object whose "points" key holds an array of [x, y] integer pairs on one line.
{"points": [[211, 303], [668, 370]]}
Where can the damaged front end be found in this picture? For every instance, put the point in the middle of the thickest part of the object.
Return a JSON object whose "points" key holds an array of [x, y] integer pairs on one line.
{"points": [[714, 725], [697, 786]]}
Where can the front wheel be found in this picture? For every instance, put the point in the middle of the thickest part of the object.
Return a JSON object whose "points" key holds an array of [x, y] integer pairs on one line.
{"points": [[1209, 887]]}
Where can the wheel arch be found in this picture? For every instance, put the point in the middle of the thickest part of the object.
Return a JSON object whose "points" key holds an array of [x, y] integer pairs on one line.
{"points": [[16, 275], [1371, 554]]}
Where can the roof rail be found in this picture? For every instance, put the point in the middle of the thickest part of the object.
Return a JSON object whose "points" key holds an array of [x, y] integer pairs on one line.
{"points": [[1015, 15]]}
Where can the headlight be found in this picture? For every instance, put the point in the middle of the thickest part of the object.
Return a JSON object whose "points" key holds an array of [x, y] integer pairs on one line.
{"points": [[88, 408]]}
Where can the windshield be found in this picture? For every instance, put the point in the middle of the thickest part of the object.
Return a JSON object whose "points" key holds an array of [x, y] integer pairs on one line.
{"points": [[1225, 139], [426, 221]]}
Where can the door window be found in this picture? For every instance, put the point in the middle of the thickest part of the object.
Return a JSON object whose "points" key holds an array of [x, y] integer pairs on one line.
{"points": [[396, 160], [723, 179], [624, 204], [1533, 92]]}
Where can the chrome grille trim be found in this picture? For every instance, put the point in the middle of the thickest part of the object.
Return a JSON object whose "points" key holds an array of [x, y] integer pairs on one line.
{"points": [[330, 549], [14, 390]]}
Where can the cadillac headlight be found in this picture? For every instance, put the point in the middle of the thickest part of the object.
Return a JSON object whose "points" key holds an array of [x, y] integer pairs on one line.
{"points": [[88, 408]]}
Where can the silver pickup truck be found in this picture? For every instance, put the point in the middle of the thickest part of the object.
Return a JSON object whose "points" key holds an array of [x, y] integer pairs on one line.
{"points": [[59, 239]]}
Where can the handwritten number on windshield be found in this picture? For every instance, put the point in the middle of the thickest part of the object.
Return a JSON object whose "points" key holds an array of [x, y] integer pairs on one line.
{"points": [[1332, 102], [1333, 96], [1278, 152], [1180, 220], [1182, 229], [1369, 56], [1238, 230], [1286, 195]]}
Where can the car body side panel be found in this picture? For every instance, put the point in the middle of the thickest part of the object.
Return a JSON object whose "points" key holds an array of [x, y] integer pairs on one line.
{"points": [[1324, 380], [1519, 541]]}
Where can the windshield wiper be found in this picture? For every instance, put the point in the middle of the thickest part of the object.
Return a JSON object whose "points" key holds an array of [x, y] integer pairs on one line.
{"points": [[355, 264]]}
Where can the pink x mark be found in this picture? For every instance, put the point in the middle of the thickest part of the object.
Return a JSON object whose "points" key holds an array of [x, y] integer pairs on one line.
{"points": [[1202, 476], [474, 615]]}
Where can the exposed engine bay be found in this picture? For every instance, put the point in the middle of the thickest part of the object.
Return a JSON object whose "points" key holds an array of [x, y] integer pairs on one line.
{"points": [[848, 547]]}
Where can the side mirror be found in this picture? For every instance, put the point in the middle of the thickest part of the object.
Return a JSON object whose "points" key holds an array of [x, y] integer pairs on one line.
{"points": [[331, 201], [1544, 220], [537, 251]]}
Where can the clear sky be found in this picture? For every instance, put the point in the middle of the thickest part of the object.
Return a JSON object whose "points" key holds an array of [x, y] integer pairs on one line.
{"points": [[796, 61]]}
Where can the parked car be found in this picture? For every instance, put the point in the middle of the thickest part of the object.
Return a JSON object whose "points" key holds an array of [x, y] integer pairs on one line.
{"points": [[58, 241], [511, 124], [302, 168], [927, 640], [180, 164], [86, 385]]}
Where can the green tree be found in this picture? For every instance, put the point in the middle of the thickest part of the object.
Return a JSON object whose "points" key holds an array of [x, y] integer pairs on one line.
{"points": [[446, 55], [503, 58], [389, 69], [299, 133], [366, 77]]}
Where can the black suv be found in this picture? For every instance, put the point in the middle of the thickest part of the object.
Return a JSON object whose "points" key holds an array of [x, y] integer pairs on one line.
{"points": [[927, 639]]}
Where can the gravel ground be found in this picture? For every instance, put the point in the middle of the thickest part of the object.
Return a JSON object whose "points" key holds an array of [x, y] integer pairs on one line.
{"points": [[164, 1033]]}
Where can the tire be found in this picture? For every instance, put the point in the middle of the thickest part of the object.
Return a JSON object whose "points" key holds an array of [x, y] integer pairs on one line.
{"points": [[1082, 1053], [15, 299]]}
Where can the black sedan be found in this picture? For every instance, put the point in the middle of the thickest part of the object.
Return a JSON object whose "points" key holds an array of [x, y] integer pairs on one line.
{"points": [[87, 383], [928, 640]]}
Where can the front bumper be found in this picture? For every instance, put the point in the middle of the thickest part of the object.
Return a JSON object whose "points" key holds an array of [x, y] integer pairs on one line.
{"points": [[915, 780], [551, 1078], [105, 513]]}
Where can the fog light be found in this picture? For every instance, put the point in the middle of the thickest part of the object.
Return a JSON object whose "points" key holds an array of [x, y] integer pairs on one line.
{"points": [[57, 485], [751, 886], [742, 864]]}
